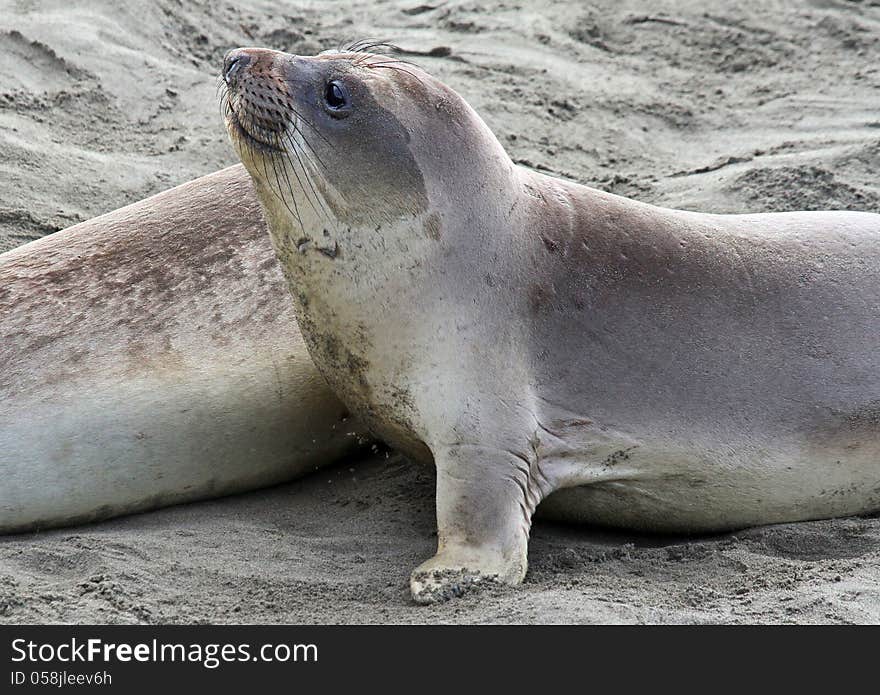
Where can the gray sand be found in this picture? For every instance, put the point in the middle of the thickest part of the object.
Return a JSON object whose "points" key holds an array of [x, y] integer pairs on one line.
{"points": [[720, 107]]}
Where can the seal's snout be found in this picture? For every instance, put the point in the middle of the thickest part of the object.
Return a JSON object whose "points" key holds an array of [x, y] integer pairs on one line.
{"points": [[242, 61], [256, 98], [233, 62]]}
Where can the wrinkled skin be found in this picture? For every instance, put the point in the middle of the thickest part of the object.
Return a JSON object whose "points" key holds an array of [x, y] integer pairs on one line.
{"points": [[537, 339]]}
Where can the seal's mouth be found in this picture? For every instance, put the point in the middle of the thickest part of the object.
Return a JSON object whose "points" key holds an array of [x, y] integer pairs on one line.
{"points": [[235, 124], [254, 103]]}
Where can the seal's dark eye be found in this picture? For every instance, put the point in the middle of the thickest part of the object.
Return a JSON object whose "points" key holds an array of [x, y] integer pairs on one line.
{"points": [[335, 95]]}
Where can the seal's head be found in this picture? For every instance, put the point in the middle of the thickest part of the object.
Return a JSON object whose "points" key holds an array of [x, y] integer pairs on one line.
{"points": [[350, 138], [374, 179]]}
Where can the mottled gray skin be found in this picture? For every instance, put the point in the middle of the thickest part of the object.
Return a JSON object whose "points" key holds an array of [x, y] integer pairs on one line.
{"points": [[635, 366], [151, 356]]}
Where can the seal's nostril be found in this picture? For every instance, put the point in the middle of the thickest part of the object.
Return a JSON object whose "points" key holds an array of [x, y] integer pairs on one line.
{"points": [[233, 62]]}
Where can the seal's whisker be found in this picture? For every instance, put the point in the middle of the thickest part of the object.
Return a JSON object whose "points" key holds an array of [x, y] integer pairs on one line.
{"points": [[366, 49], [386, 50], [225, 105], [222, 87], [222, 92], [397, 59], [386, 60], [287, 180], [282, 196], [277, 138], [255, 130], [296, 113], [310, 153], [393, 65], [310, 146], [293, 149], [369, 46], [279, 192]]}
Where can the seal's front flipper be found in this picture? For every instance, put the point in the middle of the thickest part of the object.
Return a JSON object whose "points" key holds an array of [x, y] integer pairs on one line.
{"points": [[485, 501]]}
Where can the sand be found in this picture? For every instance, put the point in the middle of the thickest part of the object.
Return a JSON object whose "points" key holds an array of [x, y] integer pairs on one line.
{"points": [[719, 107]]}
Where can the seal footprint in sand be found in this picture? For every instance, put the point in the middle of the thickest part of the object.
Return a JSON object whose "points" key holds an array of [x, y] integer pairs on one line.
{"points": [[539, 340]]}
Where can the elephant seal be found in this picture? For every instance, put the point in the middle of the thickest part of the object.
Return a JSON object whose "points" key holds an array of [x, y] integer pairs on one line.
{"points": [[637, 366], [151, 356]]}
